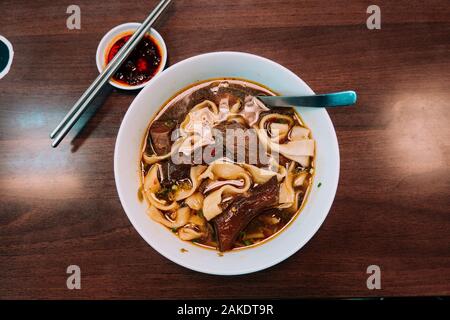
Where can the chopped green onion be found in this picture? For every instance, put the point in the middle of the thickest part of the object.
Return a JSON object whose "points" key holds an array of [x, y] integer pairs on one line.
{"points": [[169, 123]]}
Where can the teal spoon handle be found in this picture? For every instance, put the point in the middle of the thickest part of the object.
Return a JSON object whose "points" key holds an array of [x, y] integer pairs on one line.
{"points": [[336, 99]]}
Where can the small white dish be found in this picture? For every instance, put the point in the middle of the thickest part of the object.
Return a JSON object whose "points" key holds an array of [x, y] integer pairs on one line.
{"points": [[8, 44], [115, 34], [225, 65]]}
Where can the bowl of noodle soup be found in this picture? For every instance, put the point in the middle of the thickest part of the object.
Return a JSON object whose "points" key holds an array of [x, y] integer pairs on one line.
{"points": [[215, 180]]}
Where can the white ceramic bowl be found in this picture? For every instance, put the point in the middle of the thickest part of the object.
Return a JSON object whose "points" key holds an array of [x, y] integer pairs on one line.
{"points": [[112, 36], [178, 77]]}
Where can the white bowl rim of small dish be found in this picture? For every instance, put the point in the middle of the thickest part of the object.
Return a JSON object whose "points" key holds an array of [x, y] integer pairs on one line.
{"points": [[8, 44], [112, 34], [225, 65]]}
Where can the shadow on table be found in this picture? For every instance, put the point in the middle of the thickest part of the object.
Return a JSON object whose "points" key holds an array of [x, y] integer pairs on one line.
{"points": [[84, 126]]}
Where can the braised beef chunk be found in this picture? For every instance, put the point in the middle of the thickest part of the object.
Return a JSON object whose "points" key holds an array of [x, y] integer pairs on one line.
{"points": [[245, 144], [179, 109], [220, 134], [174, 172], [160, 134], [201, 95], [223, 126], [238, 91], [243, 209], [178, 172]]}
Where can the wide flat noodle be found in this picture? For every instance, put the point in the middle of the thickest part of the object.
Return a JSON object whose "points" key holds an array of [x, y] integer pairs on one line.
{"points": [[299, 150], [181, 218], [260, 175], [223, 170], [287, 193], [154, 158]]}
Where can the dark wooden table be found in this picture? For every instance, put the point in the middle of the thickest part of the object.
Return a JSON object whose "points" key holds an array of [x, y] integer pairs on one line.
{"points": [[60, 206]]}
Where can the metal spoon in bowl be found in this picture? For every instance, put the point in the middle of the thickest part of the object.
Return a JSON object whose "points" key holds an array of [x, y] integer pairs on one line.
{"points": [[336, 99]]}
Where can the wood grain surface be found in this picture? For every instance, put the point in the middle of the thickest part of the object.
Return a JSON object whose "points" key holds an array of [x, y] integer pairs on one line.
{"points": [[60, 206]]}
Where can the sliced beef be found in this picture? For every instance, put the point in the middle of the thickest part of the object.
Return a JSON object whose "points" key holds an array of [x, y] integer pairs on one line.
{"points": [[160, 134], [174, 172], [243, 209], [201, 95], [178, 172], [177, 110], [220, 134], [281, 110], [244, 137], [223, 126]]}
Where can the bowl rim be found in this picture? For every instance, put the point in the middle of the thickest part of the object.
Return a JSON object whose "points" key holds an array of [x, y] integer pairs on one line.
{"points": [[290, 250], [116, 31], [8, 44]]}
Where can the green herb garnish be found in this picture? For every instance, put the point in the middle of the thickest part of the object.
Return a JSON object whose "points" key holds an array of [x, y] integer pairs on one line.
{"points": [[319, 185], [174, 230], [163, 193], [248, 242], [170, 123]]}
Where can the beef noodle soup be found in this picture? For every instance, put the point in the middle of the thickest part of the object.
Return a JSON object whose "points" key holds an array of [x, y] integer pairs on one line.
{"points": [[221, 169]]}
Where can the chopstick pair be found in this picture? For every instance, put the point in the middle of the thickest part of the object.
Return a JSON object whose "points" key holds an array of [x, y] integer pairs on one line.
{"points": [[83, 102]]}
